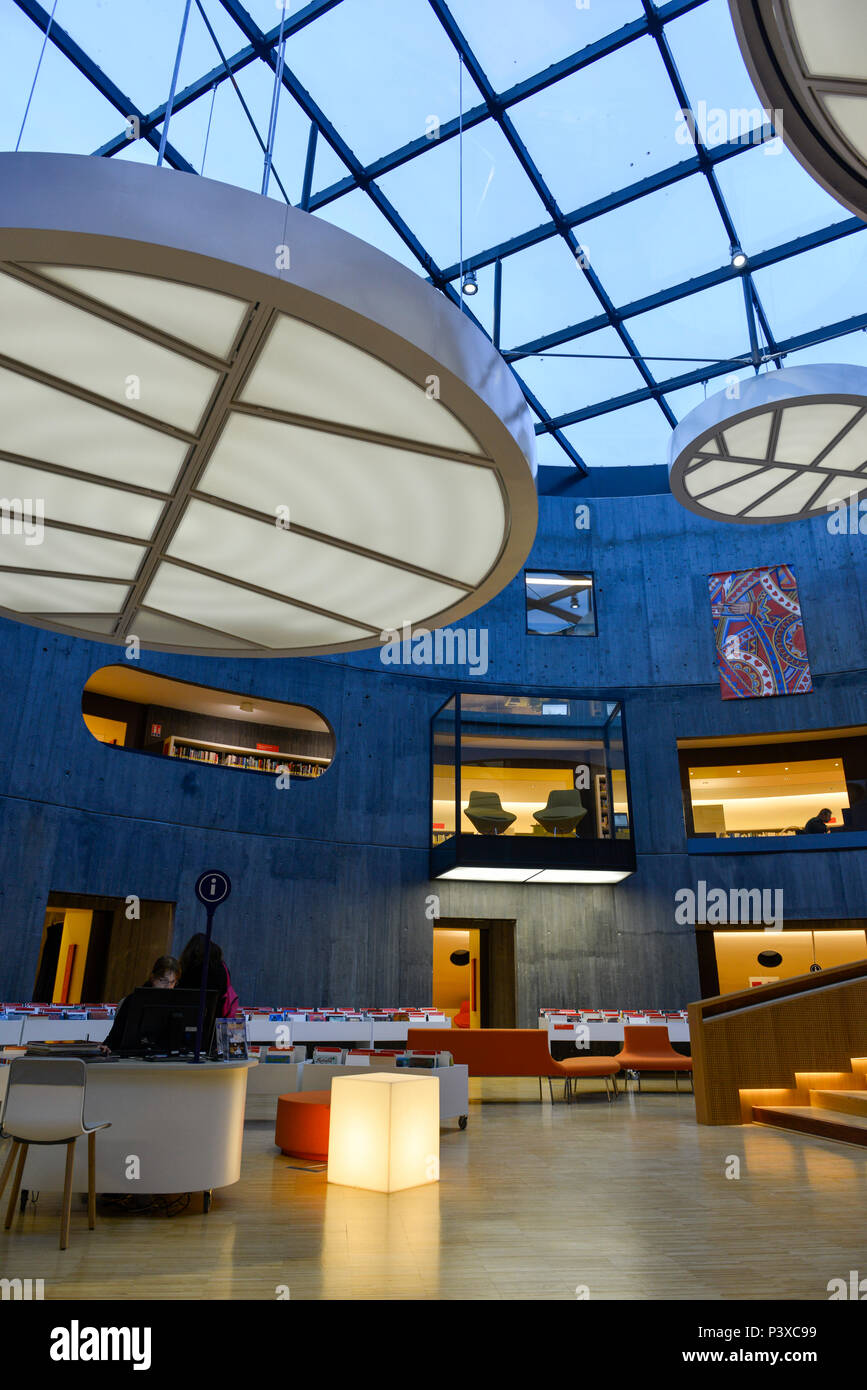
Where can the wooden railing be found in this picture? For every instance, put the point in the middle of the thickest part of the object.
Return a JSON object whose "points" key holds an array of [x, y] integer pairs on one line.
{"points": [[758, 1038]]}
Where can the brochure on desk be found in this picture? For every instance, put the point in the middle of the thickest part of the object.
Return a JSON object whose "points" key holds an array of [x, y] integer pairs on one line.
{"points": [[232, 1039]]}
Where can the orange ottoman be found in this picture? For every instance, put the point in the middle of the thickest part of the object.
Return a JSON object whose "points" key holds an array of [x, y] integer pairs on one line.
{"points": [[302, 1124]]}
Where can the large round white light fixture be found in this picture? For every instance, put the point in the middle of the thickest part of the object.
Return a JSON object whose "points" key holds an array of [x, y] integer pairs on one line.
{"points": [[808, 60], [792, 443], [250, 433]]}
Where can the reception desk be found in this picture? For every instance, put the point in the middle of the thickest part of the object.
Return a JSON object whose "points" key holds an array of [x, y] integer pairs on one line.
{"points": [[183, 1123]]}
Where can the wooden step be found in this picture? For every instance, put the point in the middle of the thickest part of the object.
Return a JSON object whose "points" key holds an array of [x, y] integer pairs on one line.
{"points": [[851, 1102], [829, 1080], [808, 1119]]}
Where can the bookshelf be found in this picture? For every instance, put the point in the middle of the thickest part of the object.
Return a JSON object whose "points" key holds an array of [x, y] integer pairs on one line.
{"points": [[603, 816], [198, 750]]}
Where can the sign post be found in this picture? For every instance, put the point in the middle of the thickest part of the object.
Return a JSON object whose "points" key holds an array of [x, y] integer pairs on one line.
{"points": [[212, 889]]}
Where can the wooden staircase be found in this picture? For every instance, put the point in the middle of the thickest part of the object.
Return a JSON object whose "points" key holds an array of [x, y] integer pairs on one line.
{"points": [[828, 1105]]}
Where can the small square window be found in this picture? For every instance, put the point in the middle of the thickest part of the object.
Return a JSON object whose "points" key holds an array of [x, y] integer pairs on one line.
{"points": [[559, 604]]}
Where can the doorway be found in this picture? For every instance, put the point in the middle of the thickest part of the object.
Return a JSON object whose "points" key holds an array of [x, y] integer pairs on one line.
{"points": [[474, 972], [91, 952]]}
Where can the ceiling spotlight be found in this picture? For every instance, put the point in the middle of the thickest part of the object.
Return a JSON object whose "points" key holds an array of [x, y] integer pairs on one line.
{"points": [[470, 284], [739, 258], [573, 603]]}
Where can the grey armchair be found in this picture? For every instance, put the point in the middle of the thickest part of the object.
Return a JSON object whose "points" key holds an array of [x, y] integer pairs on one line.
{"points": [[562, 814], [487, 814]]}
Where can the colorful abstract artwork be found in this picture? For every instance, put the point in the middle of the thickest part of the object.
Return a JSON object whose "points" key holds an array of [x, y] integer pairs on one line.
{"points": [[760, 644]]}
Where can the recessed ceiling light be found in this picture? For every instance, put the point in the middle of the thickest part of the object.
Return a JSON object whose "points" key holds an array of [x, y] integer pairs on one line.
{"points": [[253, 434]]}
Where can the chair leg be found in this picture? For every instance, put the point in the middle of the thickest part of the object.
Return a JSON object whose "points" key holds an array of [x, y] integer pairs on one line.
{"points": [[540, 1089], [676, 1082], [7, 1166], [91, 1180], [16, 1184], [550, 1090], [67, 1195]]}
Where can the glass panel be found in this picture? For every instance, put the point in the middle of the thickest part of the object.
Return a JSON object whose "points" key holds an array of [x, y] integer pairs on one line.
{"points": [[70, 552], [583, 132], [513, 42], [357, 214], [379, 71], [42, 593], [657, 224], [772, 199], [306, 371], [568, 383], [67, 113], [714, 74], [445, 517], [44, 424], [540, 766], [74, 346], [349, 585], [444, 773], [499, 200], [823, 286], [635, 434], [560, 605], [543, 288], [226, 608], [711, 325], [210, 321], [143, 67], [79, 503]]}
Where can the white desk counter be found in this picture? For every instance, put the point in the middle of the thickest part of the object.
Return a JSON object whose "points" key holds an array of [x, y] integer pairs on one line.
{"points": [[184, 1123]]}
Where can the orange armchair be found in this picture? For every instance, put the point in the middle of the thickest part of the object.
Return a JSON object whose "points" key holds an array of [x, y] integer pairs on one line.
{"points": [[647, 1047]]}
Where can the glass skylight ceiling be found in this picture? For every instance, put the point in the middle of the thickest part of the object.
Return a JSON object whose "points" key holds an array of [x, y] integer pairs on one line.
{"points": [[611, 223]]}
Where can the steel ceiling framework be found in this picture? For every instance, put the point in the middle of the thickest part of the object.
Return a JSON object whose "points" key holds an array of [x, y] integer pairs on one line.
{"points": [[263, 47]]}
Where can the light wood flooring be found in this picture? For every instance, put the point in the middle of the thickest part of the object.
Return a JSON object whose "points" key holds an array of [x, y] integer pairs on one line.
{"points": [[630, 1200]]}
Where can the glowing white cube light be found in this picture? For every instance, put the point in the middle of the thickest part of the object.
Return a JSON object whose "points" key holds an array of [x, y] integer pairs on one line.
{"points": [[385, 1131]]}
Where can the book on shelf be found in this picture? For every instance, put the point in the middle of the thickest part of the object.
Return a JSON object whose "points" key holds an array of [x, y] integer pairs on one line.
{"points": [[177, 747]]}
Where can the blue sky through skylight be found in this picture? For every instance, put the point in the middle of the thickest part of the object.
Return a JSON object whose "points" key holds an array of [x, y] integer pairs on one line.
{"points": [[385, 73]]}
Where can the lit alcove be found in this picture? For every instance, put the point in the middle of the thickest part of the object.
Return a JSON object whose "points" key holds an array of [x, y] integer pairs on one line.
{"points": [[155, 715], [530, 789]]}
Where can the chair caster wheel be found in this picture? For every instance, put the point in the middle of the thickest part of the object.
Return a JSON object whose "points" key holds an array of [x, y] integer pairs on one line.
{"points": [[462, 1121]]}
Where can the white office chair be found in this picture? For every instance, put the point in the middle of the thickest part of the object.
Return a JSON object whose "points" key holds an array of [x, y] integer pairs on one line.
{"points": [[45, 1105]]}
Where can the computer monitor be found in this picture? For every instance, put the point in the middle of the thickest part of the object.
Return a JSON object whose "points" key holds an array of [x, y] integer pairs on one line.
{"points": [[162, 1022]]}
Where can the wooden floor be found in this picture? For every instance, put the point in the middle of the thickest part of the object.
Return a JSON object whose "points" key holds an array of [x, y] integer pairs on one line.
{"points": [[630, 1200]]}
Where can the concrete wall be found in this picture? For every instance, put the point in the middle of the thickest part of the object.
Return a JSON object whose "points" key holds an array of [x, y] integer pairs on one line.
{"points": [[329, 903]]}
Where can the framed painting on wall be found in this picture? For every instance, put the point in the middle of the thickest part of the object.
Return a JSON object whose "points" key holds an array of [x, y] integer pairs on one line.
{"points": [[759, 633]]}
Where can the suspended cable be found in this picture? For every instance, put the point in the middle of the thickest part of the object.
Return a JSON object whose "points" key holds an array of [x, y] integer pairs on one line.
{"points": [[245, 108], [275, 102], [461, 178], [36, 74], [171, 101], [208, 131]]}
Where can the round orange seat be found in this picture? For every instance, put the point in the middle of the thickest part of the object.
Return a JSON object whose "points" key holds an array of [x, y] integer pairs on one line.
{"points": [[302, 1124]]}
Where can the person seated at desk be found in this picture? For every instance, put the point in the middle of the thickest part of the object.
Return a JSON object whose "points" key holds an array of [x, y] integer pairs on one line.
{"points": [[165, 974], [192, 960], [818, 825]]}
